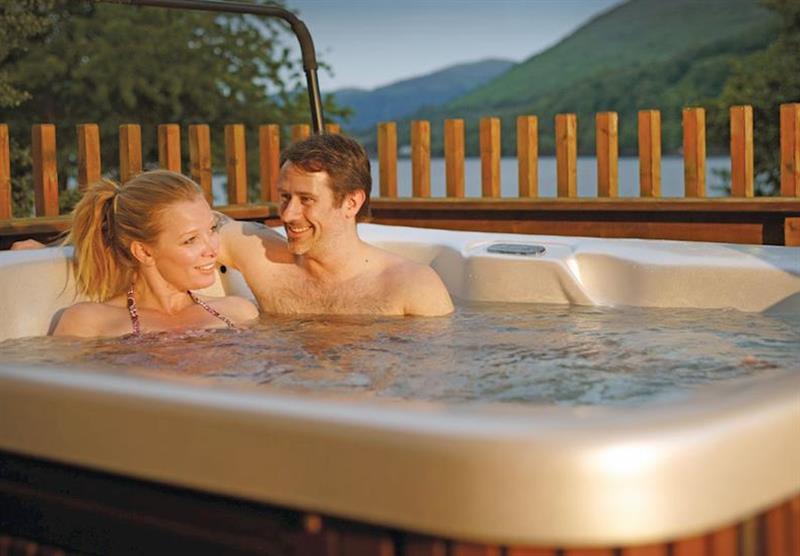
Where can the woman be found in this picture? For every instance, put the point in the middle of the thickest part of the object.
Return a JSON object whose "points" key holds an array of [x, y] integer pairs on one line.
{"points": [[140, 250]]}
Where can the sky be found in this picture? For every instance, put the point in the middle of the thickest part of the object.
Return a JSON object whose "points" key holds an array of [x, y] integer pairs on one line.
{"points": [[370, 43]]}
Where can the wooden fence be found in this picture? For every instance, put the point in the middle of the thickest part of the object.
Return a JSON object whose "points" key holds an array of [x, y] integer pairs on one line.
{"points": [[740, 218]]}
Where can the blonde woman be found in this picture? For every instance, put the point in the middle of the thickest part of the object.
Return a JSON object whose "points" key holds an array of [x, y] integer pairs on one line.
{"points": [[141, 249]]}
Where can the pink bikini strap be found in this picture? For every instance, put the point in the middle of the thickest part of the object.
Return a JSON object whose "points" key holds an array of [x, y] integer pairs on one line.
{"points": [[211, 310], [134, 313]]}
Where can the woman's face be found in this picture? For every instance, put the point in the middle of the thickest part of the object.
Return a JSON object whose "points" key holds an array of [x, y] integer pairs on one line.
{"points": [[185, 252]]}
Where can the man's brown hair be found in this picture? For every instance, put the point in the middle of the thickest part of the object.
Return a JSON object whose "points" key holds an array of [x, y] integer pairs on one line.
{"points": [[342, 158]]}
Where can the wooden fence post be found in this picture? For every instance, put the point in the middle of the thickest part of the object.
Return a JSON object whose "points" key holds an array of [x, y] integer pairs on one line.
{"points": [[588, 552], [236, 164], [607, 145], [200, 159], [567, 155], [776, 531], [130, 151], [791, 238], [454, 157], [169, 147], [420, 158], [650, 153], [790, 150], [741, 151], [300, 132], [490, 157], [89, 167], [387, 159], [724, 542], [694, 152], [531, 551], [269, 148], [45, 174], [692, 546], [333, 129], [646, 550], [528, 156], [5, 173], [794, 503]]}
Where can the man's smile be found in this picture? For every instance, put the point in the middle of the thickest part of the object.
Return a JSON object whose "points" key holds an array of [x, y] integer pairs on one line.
{"points": [[297, 229]]}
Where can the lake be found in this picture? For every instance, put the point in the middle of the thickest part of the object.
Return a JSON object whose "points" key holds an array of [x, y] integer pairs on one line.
{"points": [[671, 177]]}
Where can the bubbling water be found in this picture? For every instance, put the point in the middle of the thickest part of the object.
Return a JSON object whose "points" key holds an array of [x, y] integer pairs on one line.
{"points": [[484, 352]]}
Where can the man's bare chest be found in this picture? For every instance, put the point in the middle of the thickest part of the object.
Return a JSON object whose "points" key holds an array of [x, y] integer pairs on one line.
{"points": [[296, 293]]}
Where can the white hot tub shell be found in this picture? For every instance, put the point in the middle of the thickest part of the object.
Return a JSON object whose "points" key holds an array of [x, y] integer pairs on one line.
{"points": [[511, 475]]}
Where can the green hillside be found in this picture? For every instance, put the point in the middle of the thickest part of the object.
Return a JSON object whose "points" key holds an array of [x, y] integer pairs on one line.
{"points": [[635, 33], [641, 54]]}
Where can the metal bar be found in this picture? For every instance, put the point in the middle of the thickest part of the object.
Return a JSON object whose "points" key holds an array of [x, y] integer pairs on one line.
{"points": [[298, 28]]}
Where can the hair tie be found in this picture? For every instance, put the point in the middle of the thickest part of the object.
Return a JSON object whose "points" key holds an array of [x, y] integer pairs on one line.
{"points": [[110, 216], [115, 199]]}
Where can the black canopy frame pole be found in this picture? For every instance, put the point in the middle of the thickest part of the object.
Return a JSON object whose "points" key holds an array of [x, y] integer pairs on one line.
{"points": [[298, 28]]}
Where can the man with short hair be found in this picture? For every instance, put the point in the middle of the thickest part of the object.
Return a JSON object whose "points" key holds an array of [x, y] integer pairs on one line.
{"points": [[324, 186]]}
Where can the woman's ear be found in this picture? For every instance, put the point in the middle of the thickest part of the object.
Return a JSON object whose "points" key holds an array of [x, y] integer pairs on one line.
{"points": [[353, 202], [142, 253]]}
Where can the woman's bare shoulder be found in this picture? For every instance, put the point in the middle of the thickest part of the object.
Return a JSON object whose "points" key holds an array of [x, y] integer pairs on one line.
{"points": [[89, 319]]}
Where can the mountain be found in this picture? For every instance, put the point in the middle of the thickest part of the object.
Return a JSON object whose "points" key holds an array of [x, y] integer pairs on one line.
{"points": [[640, 54], [401, 98]]}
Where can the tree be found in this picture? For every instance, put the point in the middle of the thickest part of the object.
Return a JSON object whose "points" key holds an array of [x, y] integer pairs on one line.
{"points": [[766, 80], [113, 64], [20, 23]]}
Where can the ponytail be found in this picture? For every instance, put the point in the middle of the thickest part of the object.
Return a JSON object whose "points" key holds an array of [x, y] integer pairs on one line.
{"points": [[110, 217], [102, 269]]}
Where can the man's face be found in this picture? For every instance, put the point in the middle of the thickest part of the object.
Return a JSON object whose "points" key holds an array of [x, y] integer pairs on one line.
{"points": [[308, 208]]}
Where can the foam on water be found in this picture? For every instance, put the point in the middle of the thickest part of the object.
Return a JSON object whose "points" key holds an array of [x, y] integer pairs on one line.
{"points": [[493, 352]]}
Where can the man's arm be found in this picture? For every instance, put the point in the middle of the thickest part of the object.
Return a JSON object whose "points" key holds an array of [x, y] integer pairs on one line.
{"points": [[243, 241], [24, 244]]}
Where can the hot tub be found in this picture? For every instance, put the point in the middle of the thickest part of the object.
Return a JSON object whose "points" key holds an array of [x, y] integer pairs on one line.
{"points": [[110, 462]]}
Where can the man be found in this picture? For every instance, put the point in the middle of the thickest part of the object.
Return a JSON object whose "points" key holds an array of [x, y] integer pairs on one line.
{"points": [[324, 187]]}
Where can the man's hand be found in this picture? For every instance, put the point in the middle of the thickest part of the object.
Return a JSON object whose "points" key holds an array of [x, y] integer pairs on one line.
{"points": [[27, 244]]}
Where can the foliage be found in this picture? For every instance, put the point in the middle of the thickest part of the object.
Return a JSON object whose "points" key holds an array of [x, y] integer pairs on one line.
{"points": [[766, 80], [20, 23], [694, 77], [637, 33], [114, 64], [643, 54]]}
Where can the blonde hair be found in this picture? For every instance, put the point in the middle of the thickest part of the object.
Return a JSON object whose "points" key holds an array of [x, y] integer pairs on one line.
{"points": [[110, 217]]}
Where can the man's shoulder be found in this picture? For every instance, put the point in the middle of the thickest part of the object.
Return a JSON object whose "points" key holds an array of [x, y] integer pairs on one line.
{"points": [[397, 270], [405, 269], [419, 286], [244, 243]]}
